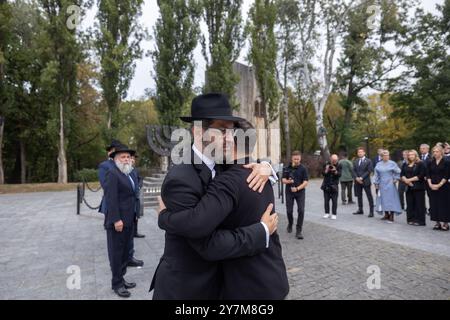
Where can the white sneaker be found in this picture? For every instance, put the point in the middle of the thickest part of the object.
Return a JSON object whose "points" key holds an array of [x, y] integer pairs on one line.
{"points": [[333, 217], [326, 216]]}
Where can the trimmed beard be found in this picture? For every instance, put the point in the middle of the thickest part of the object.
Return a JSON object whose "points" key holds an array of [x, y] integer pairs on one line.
{"points": [[125, 168]]}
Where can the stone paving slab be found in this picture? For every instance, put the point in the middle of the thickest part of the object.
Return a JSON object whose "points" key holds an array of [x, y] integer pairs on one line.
{"points": [[43, 236]]}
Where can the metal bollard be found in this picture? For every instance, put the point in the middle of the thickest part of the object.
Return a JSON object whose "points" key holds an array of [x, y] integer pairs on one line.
{"points": [[78, 198]]}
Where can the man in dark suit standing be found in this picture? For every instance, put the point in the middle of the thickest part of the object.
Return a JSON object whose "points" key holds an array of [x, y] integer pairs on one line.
{"points": [[425, 153], [446, 151], [377, 158], [401, 184], [139, 181], [103, 170], [229, 204], [362, 168], [120, 197], [426, 158], [132, 261], [182, 272]]}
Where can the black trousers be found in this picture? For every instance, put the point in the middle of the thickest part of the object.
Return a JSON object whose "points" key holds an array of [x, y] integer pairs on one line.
{"points": [[401, 193], [118, 251], [415, 201], [359, 194], [131, 249], [299, 197], [346, 187], [333, 196]]}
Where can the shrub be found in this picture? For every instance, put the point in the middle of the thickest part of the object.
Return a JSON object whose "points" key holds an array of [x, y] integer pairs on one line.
{"points": [[88, 175]]}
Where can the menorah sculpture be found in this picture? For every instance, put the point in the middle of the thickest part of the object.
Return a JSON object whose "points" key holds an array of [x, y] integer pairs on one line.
{"points": [[160, 141]]}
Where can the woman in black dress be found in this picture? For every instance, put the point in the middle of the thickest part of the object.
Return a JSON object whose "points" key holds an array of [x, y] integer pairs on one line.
{"points": [[413, 176], [437, 177]]}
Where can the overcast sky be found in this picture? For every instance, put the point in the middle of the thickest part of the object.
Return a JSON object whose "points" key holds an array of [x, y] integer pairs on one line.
{"points": [[143, 78]]}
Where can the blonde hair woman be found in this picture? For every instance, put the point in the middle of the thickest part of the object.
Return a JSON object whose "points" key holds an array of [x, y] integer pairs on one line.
{"points": [[413, 176], [387, 173], [437, 176]]}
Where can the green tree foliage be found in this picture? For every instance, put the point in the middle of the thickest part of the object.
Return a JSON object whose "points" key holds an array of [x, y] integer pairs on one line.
{"points": [[117, 41], [263, 54], [224, 21], [368, 59], [134, 116], [176, 34], [426, 102]]}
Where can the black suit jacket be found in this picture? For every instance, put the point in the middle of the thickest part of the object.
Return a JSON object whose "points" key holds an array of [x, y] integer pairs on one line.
{"points": [[428, 159], [139, 183], [120, 199], [364, 170], [419, 171], [188, 268], [376, 160], [230, 204]]}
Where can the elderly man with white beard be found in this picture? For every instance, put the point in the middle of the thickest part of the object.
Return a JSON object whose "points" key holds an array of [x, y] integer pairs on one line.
{"points": [[121, 212]]}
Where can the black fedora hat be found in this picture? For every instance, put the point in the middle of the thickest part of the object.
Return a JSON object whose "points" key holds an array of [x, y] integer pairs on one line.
{"points": [[211, 106], [121, 149], [114, 143]]}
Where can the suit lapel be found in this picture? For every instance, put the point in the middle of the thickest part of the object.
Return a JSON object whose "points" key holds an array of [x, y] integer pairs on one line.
{"points": [[124, 178], [203, 171]]}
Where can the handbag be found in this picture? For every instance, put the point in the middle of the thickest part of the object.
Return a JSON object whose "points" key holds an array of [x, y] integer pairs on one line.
{"points": [[378, 206]]}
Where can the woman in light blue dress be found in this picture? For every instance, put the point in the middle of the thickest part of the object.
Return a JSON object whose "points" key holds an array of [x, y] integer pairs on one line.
{"points": [[387, 173]]}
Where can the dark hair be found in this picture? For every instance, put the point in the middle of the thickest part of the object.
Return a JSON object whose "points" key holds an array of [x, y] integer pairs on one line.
{"points": [[361, 148], [296, 153], [206, 123], [250, 139]]}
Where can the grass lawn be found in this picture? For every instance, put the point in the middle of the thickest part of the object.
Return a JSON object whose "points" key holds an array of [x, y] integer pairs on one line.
{"points": [[42, 187]]}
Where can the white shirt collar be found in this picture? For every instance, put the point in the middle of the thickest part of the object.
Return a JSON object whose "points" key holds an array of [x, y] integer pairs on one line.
{"points": [[209, 163]]}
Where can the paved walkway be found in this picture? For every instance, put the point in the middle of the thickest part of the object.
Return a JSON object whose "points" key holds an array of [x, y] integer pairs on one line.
{"points": [[43, 237]]}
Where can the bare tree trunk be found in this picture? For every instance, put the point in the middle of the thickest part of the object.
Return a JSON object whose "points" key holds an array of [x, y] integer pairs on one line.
{"points": [[266, 127], [287, 137], [23, 162], [2, 126], [62, 160], [109, 120], [287, 132], [320, 128]]}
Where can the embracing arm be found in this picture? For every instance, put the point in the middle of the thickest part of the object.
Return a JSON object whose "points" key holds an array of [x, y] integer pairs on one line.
{"points": [[221, 244], [225, 244], [202, 219]]}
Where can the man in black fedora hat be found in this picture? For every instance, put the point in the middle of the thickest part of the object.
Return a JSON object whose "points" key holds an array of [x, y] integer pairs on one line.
{"points": [[229, 204], [103, 170], [121, 203], [182, 273]]}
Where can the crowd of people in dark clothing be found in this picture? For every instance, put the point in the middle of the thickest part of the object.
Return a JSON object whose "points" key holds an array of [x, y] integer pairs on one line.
{"points": [[400, 187]]}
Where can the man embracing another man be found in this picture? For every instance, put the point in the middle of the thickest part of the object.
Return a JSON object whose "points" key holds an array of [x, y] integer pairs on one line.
{"points": [[220, 239]]}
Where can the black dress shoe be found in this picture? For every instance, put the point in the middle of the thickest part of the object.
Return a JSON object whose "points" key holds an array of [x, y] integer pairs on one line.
{"points": [[289, 228], [371, 215], [299, 235], [122, 292], [358, 212], [138, 235], [135, 263], [129, 285]]}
